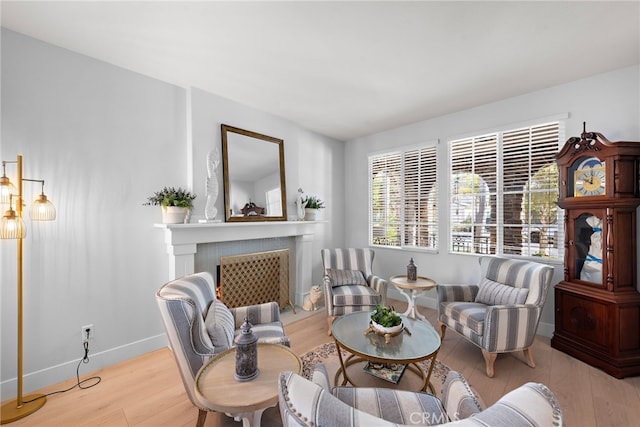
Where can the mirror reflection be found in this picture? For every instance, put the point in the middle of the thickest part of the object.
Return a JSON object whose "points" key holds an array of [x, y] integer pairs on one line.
{"points": [[254, 180]]}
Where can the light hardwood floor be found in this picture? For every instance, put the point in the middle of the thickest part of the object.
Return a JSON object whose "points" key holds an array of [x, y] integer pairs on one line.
{"points": [[147, 390]]}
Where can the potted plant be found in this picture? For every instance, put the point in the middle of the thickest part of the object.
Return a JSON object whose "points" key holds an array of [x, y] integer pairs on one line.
{"points": [[175, 203], [311, 206], [385, 320]]}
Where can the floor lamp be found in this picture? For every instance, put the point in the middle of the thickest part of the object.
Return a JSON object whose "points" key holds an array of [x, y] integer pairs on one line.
{"points": [[12, 227]]}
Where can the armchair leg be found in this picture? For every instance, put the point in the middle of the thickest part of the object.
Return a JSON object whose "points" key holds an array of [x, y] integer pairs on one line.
{"points": [[202, 416], [330, 322], [443, 329], [528, 354], [489, 358]]}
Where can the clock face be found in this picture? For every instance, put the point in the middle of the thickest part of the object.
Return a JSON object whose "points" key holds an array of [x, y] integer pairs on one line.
{"points": [[589, 178]]}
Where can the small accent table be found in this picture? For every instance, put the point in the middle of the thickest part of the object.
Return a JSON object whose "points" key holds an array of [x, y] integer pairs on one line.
{"points": [[246, 401], [411, 290], [419, 341]]}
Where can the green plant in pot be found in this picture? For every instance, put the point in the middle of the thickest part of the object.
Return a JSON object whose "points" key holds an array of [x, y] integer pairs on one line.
{"points": [[175, 203], [385, 316], [311, 206]]}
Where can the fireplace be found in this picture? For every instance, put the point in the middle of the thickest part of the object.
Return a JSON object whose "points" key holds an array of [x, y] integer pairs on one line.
{"points": [[187, 246]]}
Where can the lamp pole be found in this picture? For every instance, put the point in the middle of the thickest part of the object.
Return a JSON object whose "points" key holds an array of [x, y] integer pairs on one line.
{"points": [[22, 406]]}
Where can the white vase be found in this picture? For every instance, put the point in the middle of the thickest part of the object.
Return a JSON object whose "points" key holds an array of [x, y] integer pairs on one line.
{"points": [[310, 214], [174, 214]]}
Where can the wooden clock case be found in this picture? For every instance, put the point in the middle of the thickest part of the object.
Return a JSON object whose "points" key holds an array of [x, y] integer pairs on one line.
{"points": [[597, 318]]}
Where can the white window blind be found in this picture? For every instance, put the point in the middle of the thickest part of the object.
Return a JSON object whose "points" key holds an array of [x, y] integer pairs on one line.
{"points": [[420, 198], [403, 193], [474, 165], [504, 188]]}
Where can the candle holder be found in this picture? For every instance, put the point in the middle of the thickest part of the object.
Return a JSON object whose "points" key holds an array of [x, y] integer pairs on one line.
{"points": [[412, 271], [246, 354]]}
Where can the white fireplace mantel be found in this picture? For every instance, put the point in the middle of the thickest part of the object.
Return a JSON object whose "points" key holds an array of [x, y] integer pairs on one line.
{"points": [[182, 244]]}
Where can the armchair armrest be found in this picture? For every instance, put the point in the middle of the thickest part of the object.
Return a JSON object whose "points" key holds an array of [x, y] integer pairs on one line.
{"points": [[267, 312], [530, 404], [380, 285], [320, 376], [518, 334], [460, 293], [458, 398]]}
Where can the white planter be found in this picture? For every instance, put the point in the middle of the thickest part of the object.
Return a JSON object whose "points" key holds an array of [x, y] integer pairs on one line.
{"points": [[310, 214], [384, 330], [174, 214]]}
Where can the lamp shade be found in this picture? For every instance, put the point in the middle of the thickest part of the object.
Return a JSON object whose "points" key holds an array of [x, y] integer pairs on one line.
{"points": [[6, 189], [42, 209], [12, 226]]}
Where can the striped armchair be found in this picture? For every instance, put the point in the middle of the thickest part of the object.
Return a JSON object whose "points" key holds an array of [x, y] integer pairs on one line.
{"points": [[200, 326], [349, 283], [501, 313], [315, 403]]}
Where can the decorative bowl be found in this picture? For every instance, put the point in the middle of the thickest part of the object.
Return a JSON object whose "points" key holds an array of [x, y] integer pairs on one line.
{"points": [[386, 332], [393, 330]]}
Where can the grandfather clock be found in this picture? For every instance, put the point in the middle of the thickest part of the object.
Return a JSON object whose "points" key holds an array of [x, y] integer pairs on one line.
{"points": [[597, 318]]}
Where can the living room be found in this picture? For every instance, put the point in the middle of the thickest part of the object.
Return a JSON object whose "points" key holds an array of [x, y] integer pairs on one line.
{"points": [[105, 138]]}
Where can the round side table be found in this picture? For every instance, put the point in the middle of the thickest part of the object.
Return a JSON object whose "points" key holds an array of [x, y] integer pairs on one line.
{"points": [[246, 401], [411, 290]]}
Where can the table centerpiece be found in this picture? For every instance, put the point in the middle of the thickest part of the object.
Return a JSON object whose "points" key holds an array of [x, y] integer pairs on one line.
{"points": [[385, 321]]}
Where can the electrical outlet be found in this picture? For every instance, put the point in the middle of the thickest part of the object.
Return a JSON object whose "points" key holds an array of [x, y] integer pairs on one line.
{"points": [[87, 333]]}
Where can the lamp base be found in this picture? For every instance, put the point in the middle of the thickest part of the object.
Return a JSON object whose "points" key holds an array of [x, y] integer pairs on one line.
{"points": [[10, 411]]}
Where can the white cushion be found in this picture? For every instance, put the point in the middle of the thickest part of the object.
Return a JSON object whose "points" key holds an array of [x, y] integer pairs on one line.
{"points": [[345, 277], [220, 325], [494, 293]]}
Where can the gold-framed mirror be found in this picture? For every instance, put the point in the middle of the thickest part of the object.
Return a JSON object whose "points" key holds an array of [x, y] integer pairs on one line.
{"points": [[254, 180]]}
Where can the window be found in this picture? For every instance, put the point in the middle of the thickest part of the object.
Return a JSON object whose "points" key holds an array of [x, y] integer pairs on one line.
{"points": [[503, 193], [274, 205], [403, 196]]}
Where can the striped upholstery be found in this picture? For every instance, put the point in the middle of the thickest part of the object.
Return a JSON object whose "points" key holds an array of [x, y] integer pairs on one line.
{"points": [[396, 406], [494, 293], [345, 277], [311, 403], [520, 274], [465, 317], [220, 325], [184, 304], [448, 292], [458, 398], [349, 298], [497, 328]]}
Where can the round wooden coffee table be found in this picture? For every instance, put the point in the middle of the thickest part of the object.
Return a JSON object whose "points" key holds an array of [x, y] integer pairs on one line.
{"points": [[411, 290], [246, 401]]}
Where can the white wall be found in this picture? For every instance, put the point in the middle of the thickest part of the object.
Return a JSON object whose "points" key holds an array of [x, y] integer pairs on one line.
{"points": [[104, 139], [609, 103], [313, 162]]}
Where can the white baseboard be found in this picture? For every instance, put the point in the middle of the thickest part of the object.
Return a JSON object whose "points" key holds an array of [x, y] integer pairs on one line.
{"points": [[54, 374]]}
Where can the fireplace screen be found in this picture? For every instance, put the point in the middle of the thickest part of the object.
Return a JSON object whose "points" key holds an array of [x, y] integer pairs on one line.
{"points": [[255, 278]]}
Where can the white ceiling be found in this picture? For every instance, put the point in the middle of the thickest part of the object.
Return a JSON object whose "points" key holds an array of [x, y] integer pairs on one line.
{"points": [[346, 69]]}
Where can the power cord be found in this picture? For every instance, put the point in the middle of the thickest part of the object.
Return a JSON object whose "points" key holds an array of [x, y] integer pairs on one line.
{"points": [[80, 384]]}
